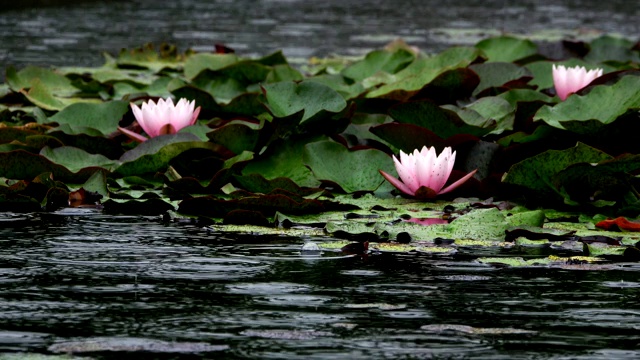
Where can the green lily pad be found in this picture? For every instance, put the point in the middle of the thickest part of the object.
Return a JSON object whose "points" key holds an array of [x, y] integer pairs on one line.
{"points": [[496, 74], [542, 71], [284, 159], [610, 48], [340, 84], [408, 137], [20, 164], [441, 121], [536, 173], [76, 159], [156, 153], [507, 48], [531, 218], [102, 117], [515, 261], [422, 71], [166, 57], [288, 98], [379, 60], [488, 114], [603, 104], [283, 72], [236, 136], [55, 83], [352, 170], [601, 249], [481, 224], [97, 183], [198, 62]]}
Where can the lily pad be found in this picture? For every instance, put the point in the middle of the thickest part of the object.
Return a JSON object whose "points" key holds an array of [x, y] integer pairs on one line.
{"points": [[102, 117], [536, 173], [156, 153], [284, 159], [603, 104], [379, 60], [288, 98], [352, 170], [76, 159], [422, 71], [507, 48]]}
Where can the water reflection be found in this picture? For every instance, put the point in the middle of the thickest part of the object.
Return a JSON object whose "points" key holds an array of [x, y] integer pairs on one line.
{"points": [[92, 284], [76, 33]]}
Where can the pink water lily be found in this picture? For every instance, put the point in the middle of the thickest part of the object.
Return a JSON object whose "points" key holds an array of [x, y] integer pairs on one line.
{"points": [[569, 80], [162, 118], [424, 170]]}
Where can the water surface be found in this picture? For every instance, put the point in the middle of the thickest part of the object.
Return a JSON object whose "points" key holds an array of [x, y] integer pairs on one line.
{"points": [[77, 33], [99, 285]]}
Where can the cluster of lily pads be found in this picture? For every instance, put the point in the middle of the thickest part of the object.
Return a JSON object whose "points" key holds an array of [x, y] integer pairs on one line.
{"points": [[263, 142]]}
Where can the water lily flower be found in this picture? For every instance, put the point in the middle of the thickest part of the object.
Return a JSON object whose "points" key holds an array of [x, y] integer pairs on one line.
{"points": [[424, 170], [569, 80], [162, 118]]}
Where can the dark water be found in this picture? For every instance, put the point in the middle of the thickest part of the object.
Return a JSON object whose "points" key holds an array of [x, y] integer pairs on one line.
{"points": [[94, 284], [77, 33], [103, 285]]}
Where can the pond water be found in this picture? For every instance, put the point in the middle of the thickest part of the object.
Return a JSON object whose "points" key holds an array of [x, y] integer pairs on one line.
{"points": [[77, 32], [95, 284]]}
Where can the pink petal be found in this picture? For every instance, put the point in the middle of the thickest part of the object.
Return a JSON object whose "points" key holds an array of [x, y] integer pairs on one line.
{"points": [[194, 118], [132, 135], [457, 183], [397, 183], [137, 113], [439, 173], [407, 175], [560, 81], [424, 165], [570, 80]]}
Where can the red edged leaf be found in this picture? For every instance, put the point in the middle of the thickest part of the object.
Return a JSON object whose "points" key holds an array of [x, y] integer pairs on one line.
{"points": [[620, 223]]}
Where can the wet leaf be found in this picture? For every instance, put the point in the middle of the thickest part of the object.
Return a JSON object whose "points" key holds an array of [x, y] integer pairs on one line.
{"points": [[102, 117], [497, 74], [284, 159], [507, 48], [597, 249], [54, 82], [603, 103], [422, 71], [378, 60], [146, 56], [20, 164], [536, 173], [288, 98], [444, 123], [481, 224], [235, 136], [533, 218], [198, 62], [156, 153], [352, 170], [489, 114], [620, 223], [75, 159]]}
